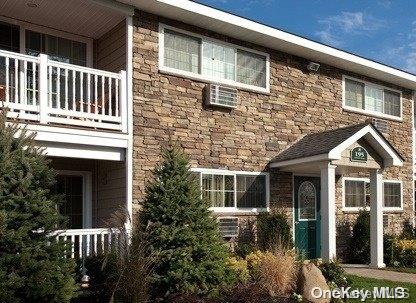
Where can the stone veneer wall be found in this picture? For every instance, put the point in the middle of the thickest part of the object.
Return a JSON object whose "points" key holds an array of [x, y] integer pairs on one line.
{"points": [[170, 108]]}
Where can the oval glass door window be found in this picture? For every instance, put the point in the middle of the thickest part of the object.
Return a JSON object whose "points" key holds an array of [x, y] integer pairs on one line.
{"points": [[307, 201]]}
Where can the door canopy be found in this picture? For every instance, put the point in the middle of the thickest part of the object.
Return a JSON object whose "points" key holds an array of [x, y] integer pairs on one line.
{"points": [[330, 145]]}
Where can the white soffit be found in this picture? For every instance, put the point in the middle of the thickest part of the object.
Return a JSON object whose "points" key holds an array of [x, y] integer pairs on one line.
{"points": [[234, 26], [85, 18]]}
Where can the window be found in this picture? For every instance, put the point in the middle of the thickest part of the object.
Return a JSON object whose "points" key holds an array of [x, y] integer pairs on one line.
{"points": [[251, 68], [218, 61], [211, 60], [59, 49], [357, 194], [251, 191], [219, 189], [9, 38], [392, 194], [71, 187], [372, 98], [233, 190], [307, 201], [181, 52]]}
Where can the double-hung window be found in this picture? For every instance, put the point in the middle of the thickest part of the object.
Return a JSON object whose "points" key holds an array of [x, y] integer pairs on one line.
{"points": [[210, 60], [357, 194], [227, 190], [371, 98]]}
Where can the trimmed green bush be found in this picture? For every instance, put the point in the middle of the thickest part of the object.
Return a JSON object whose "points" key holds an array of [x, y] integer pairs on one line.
{"points": [[359, 247], [184, 237], [273, 230]]}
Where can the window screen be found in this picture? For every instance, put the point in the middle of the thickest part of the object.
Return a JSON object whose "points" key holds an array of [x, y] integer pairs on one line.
{"points": [[58, 49], [181, 52], [251, 191], [354, 93], [392, 194], [251, 68], [391, 103], [218, 61]]}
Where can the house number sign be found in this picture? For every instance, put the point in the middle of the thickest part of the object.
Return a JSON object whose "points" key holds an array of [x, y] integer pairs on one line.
{"points": [[359, 154]]}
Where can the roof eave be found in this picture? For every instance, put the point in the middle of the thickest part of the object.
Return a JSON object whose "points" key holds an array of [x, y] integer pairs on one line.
{"points": [[251, 31]]}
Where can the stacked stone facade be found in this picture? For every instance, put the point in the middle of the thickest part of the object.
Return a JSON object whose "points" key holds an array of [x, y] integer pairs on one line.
{"points": [[171, 109]]}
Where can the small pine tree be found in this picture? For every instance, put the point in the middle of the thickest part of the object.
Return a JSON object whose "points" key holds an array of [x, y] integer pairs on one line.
{"points": [[184, 237], [33, 268]]}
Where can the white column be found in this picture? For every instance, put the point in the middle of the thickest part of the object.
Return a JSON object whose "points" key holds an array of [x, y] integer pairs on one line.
{"points": [[376, 219], [43, 88], [328, 224]]}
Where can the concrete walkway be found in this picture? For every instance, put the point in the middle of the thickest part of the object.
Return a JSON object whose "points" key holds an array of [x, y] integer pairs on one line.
{"points": [[380, 274]]}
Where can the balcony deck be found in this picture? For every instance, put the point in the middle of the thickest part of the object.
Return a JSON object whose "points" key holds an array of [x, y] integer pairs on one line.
{"points": [[40, 90]]}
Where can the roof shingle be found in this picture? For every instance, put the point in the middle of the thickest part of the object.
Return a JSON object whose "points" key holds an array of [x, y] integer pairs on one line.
{"points": [[318, 143]]}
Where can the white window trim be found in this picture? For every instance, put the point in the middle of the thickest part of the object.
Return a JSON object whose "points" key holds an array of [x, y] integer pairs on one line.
{"points": [[357, 209], [235, 209], [393, 209], [204, 78], [86, 194], [49, 31], [366, 111]]}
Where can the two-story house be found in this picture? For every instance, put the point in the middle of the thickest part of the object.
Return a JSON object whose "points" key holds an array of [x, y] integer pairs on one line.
{"points": [[270, 120]]}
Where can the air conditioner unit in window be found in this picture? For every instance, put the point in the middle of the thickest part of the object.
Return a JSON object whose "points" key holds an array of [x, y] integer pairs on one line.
{"points": [[228, 226], [219, 95], [381, 125]]}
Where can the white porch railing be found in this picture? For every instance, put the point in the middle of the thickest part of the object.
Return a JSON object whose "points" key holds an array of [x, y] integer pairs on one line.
{"points": [[47, 91], [93, 241]]}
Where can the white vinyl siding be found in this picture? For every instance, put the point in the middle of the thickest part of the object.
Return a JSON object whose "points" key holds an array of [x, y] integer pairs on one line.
{"points": [[198, 57], [372, 99], [357, 194]]}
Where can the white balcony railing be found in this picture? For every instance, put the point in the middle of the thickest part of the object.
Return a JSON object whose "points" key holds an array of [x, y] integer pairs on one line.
{"points": [[92, 241], [47, 91]]}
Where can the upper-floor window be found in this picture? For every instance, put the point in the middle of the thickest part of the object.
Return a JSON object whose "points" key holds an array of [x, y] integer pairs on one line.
{"points": [[357, 194], [233, 191], [371, 98], [58, 48], [9, 37], [211, 60]]}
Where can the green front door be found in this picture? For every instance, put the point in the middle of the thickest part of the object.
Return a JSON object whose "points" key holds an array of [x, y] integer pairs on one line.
{"points": [[307, 216]]}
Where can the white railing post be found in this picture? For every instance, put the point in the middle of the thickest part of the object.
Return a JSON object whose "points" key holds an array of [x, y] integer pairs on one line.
{"points": [[123, 101], [43, 88]]}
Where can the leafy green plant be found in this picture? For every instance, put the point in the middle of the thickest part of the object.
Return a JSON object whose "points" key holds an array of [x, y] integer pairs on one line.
{"points": [[33, 265], [191, 255], [408, 232], [359, 247], [334, 273], [273, 230], [405, 252]]}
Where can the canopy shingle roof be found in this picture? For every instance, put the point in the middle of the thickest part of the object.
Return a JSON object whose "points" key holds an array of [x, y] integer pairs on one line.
{"points": [[320, 143]]}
